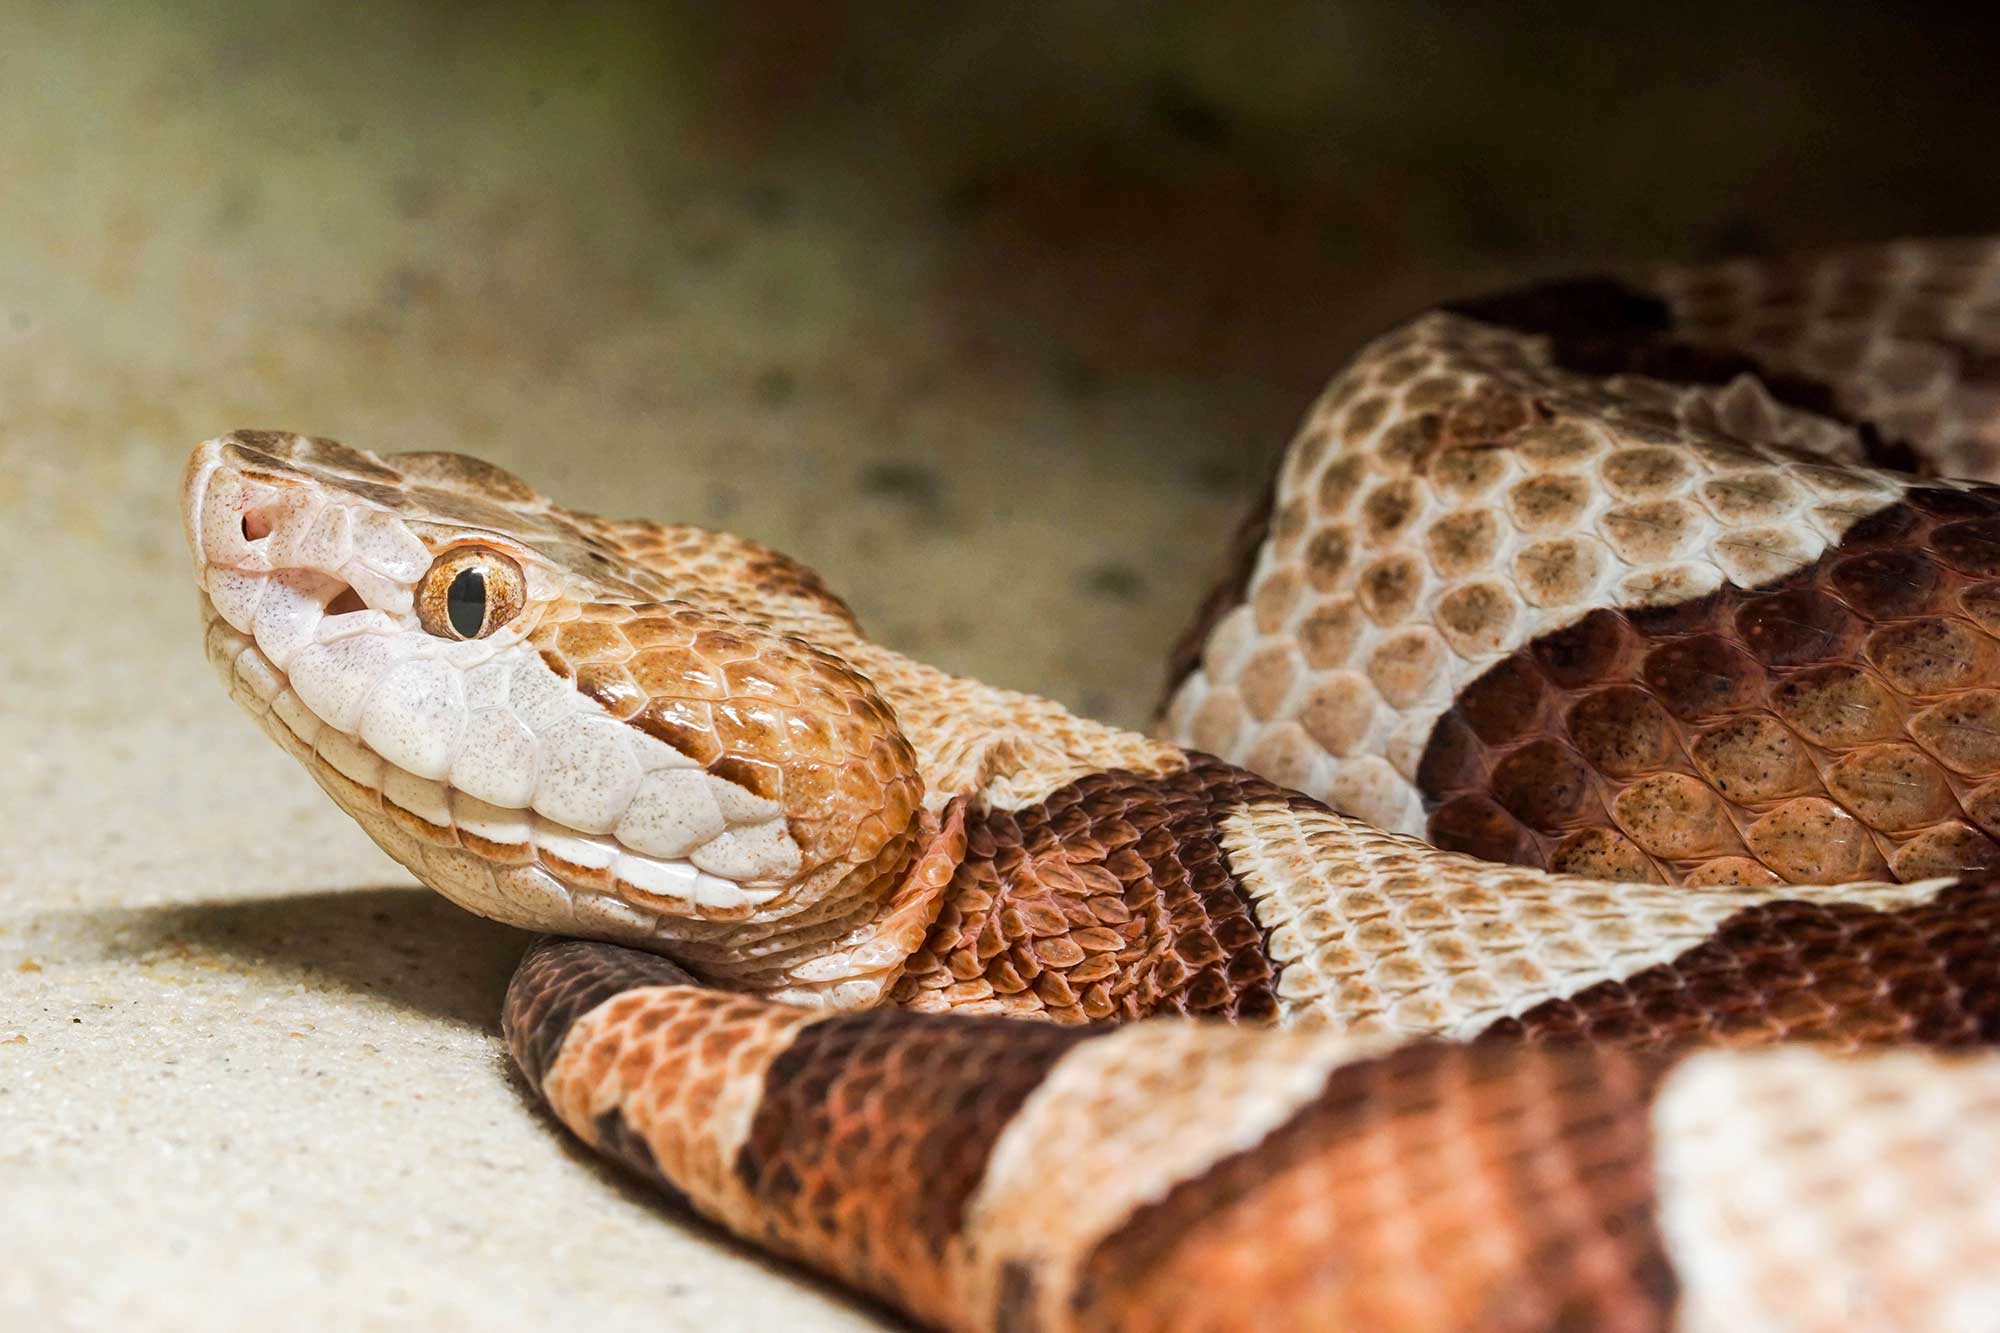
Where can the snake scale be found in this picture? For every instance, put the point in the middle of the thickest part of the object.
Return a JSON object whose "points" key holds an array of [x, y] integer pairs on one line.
{"points": [[1590, 798]]}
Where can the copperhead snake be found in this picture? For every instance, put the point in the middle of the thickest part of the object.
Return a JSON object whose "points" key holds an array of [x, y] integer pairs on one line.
{"points": [[1639, 983]]}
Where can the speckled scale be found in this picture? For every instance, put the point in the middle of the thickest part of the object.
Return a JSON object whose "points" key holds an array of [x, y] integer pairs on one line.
{"points": [[1599, 461], [761, 710], [981, 1174], [1787, 971], [1831, 724], [1113, 897]]}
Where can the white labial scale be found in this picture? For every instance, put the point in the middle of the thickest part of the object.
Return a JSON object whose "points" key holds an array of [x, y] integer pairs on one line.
{"points": [[590, 853], [506, 826], [497, 760], [288, 616], [427, 800], [588, 773], [350, 757], [757, 852], [678, 879], [299, 720], [538, 696], [486, 684], [714, 891], [672, 812], [235, 595], [666, 879], [257, 674], [335, 679], [415, 716]]}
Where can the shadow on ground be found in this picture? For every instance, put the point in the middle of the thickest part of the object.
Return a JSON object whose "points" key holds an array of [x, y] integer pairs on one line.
{"points": [[405, 946]]}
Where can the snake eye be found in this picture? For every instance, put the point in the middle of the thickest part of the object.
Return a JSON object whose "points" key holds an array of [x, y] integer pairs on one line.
{"points": [[469, 592], [465, 602]]}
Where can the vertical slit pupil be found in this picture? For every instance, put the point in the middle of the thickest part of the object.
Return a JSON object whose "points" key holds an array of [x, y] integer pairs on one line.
{"points": [[465, 602]]}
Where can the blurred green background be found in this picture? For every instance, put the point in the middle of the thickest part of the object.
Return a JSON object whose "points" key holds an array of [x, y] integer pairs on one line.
{"points": [[995, 313]]}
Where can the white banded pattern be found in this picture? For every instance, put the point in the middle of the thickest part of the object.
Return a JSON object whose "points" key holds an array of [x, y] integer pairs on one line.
{"points": [[1376, 933], [1454, 496]]}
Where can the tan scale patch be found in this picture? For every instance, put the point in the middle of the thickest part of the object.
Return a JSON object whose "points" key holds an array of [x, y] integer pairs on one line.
{"points": [[1833, 717], [1113, 898], [1119, 1121], [1805, 1191], [1903, 333], [684, 1068], [1437, 1186], [1534, 495], [1377, 933]]}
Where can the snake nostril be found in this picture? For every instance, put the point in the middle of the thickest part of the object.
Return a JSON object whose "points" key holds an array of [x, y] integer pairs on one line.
{"points": [[256, 526], [347, 600]]}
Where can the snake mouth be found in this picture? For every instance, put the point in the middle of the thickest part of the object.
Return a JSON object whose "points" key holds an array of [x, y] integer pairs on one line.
{"points": [[640, 889], [604, 880]]}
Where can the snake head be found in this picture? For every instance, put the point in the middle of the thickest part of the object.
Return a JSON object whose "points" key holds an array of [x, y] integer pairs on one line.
{"points": [[563, 722]]}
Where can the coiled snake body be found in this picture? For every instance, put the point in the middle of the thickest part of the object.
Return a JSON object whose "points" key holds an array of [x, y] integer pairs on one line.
{"points": [[1601, 589]]}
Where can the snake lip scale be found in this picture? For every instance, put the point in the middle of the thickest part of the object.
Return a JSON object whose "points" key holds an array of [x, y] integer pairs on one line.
{"points": [[1580, 802]]}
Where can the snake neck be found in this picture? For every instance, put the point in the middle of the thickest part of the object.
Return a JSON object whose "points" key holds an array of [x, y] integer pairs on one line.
{"points": [[1118, 895], [1060, 869]]}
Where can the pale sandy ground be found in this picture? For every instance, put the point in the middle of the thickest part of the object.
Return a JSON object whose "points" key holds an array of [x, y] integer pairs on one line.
{"points": [[995, 327]]}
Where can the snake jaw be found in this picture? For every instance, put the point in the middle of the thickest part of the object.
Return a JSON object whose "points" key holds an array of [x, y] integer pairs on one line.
{"points": [[659, 773]]}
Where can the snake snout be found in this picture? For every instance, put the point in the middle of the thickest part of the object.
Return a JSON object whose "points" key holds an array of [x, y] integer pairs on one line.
{"points": [[260, 530]]}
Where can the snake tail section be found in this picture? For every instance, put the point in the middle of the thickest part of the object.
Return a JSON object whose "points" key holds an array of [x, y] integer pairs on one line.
{"points": [[987, 1173]]}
